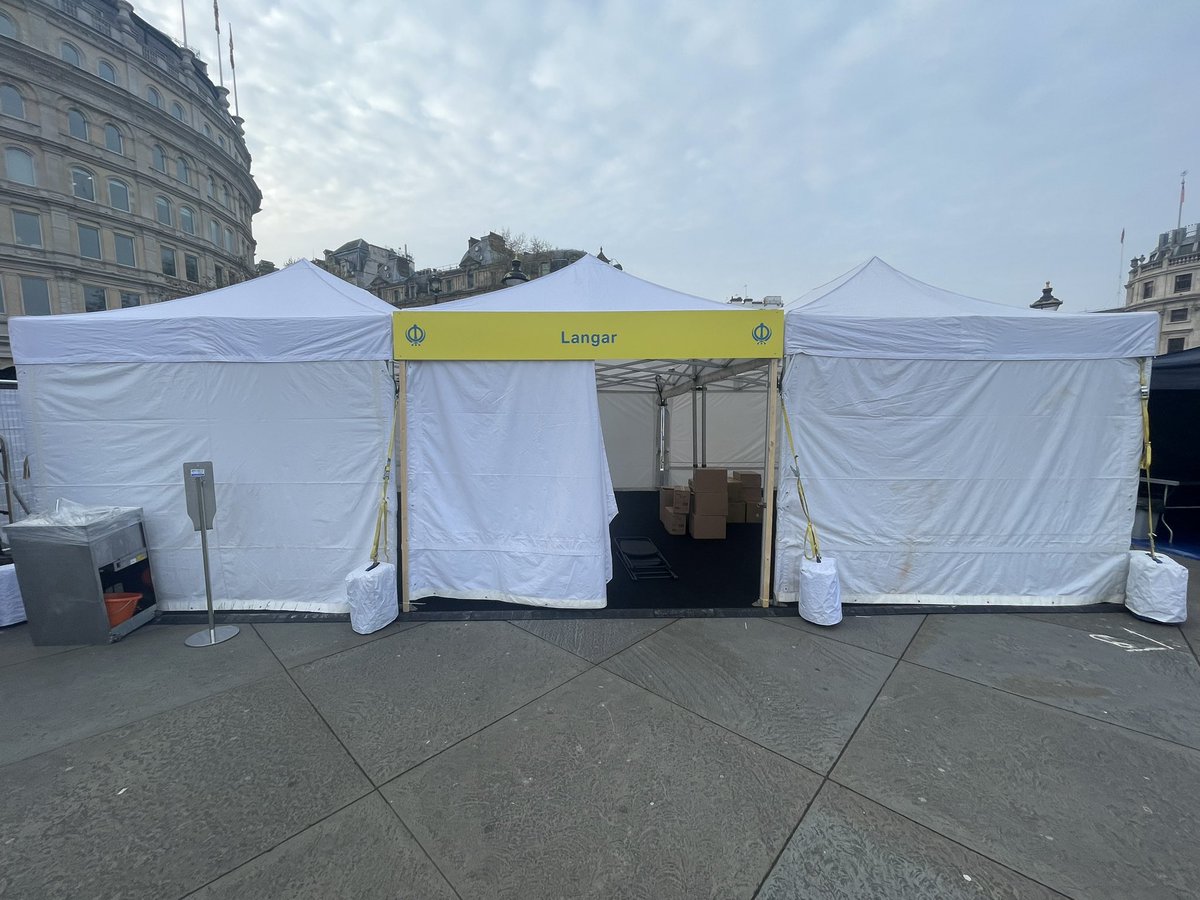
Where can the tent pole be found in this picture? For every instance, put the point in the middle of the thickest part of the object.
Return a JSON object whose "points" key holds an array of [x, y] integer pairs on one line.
{"points": [[704, 427], [768, 531], [402, 473], [695, 433]]}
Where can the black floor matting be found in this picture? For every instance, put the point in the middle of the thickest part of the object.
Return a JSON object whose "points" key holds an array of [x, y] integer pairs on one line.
{"points": [[717, 574]]}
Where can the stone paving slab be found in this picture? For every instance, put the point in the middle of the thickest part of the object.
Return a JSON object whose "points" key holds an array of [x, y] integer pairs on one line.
{"points": [[361, 852], [593, 639], [848, 848], [1135, 682], [601, 789], [401, 699], [798, 695], [1088, 808], [53, 700], [888, 635], [16, 646], [167, 804], [296, 643]]}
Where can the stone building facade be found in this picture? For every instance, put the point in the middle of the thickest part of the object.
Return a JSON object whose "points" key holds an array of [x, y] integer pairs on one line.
{"points": [[126, 179], [1168, 283]]}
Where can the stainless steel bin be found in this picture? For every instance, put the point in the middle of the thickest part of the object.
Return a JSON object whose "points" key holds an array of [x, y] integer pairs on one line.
{"points": [[65, 569]]}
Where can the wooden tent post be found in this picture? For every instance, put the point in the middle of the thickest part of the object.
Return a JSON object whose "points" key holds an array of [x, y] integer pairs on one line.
{"points": [[402, 478], [768, 531]]}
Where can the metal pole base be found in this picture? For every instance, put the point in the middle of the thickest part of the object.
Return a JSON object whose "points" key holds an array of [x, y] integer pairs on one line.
{"points": [[210, 636]]}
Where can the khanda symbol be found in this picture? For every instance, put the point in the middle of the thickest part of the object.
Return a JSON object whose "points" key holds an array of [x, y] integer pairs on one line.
{"points": [[761, 333], [415, 335]]}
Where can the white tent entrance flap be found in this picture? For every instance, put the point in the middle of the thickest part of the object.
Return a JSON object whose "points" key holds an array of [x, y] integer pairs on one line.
{"points": [[955, 451], [507, 491]]}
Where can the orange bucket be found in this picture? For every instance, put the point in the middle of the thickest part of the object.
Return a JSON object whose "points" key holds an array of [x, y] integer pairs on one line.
{"points": [[120, 607]]}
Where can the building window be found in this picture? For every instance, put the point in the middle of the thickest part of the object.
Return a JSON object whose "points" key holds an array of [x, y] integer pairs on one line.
{"points": [[95, 299], [1174, 345], [70, 54], [1183, 283], [228, 239], [125, 252], [118, 194], [187, 220], [182, 172], [113, 140], [191, 268], [177, 112], [128, 300], [1178, 315], [208, 131], [19, 166], [154, 97], [83, 184], [221, 141], [11, 102], [35, 296], [167, 254], [1147, 290], [160, 158], [220, 276], [89, 242], [212, 188], [214, 232], [8, 28], [162, 211], [225, 196], [27, 228], [77, 124], [106, 71]]}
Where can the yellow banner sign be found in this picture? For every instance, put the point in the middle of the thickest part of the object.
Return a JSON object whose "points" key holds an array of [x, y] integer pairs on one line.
{"points": [[687, 334]]}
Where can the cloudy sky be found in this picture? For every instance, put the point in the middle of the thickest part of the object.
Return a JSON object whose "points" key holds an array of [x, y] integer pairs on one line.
{"points": [[726, 148]]}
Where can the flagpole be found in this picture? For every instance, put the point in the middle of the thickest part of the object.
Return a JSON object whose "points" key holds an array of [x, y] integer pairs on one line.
{"points": [[1182, 183], [217, 26], [233, 73], [183, 15], [1121, 271]]}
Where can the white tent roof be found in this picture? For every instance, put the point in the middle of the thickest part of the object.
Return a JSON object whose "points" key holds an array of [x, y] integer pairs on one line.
{"points": [[587, 285], [299, 313], [876, 312]]}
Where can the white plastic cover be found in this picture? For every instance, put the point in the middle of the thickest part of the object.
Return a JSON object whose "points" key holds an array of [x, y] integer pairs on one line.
{"points": [[298, 313], [371, 593], [876, 312], [510, 495], [962, 481], [12, 608], [297, 448], [820, 592], [1157, 587], [69, 523]]}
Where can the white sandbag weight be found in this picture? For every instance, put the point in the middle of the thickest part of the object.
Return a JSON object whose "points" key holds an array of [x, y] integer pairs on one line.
{"points": [[820, 592], [1156, 588], [371, 593]]}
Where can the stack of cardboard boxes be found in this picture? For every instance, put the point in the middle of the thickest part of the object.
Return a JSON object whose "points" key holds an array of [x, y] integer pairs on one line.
{"points": [[713, 498], [710, 504], [674, 503]]}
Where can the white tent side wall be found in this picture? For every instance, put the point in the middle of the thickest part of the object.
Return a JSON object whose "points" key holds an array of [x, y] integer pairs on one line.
{"points": [[628, 420], [736, 431], [963, 481], [298, 451]]}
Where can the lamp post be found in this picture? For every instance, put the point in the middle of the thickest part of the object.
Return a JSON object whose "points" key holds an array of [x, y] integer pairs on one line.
{"points": [[514, 275]]}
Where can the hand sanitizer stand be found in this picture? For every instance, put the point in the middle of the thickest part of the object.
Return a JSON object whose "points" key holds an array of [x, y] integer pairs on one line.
{"points": [[201, 507]]}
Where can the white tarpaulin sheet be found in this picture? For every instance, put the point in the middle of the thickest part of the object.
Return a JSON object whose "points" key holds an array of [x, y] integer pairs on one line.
{"points": [[963, 482], [509, 490]]}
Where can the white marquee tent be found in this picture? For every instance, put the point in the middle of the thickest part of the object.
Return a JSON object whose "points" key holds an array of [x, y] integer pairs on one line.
{"points": [[284, 382], [958, 451], [510, 492]]}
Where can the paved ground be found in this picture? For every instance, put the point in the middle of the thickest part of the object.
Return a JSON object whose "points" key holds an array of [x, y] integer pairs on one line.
{"points": [[896, 756]]}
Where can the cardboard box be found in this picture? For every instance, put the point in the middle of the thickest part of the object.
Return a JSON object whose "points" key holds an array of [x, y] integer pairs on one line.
{"points": [[752, 495], [674, 499], [750, 479], [754, 512], [737, 513], [673, 522], [709, 504], [709, 480], [706, 528], [734, 489]]}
